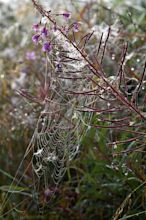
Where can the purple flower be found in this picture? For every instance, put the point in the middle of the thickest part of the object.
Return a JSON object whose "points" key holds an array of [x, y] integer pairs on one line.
{"points": [[66, 15], [35, 38], [47, 47], [44, 32], [30, 55], [36, 27]]}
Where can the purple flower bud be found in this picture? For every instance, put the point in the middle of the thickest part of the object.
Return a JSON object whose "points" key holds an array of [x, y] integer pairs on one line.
{"points": [[67, 15], [59, 67], [30, 55], [44, 31], [47, 47], [54, 28], [36, 27], [50, 192], [76, 26], [35, 38], [65, 29]]}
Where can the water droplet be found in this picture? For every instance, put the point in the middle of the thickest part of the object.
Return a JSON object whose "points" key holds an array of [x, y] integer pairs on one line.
{"points": [[2, 76], [57, 53], [44, 20], [138, 60], [89, 127], [113, 56], [116, 168], [115, 146], [132, 68], [13, 128], [129, 14], [131, 123]]}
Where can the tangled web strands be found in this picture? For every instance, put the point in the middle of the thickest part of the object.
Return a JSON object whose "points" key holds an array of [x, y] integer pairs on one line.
{"points": [[60, 126], [59, 129], [107, 100], [58, 133], [82, 97], [56, 144]]}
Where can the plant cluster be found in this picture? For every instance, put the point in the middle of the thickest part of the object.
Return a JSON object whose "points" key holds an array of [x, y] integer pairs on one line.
{"points": [[90, 131]]}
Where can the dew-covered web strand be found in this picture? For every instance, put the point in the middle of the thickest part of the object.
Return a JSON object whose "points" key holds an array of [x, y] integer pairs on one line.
{"points": [[56, 176], [54, 139]]}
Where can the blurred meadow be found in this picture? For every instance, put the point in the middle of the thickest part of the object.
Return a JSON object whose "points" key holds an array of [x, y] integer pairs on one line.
{"points": [[73, 112]]}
